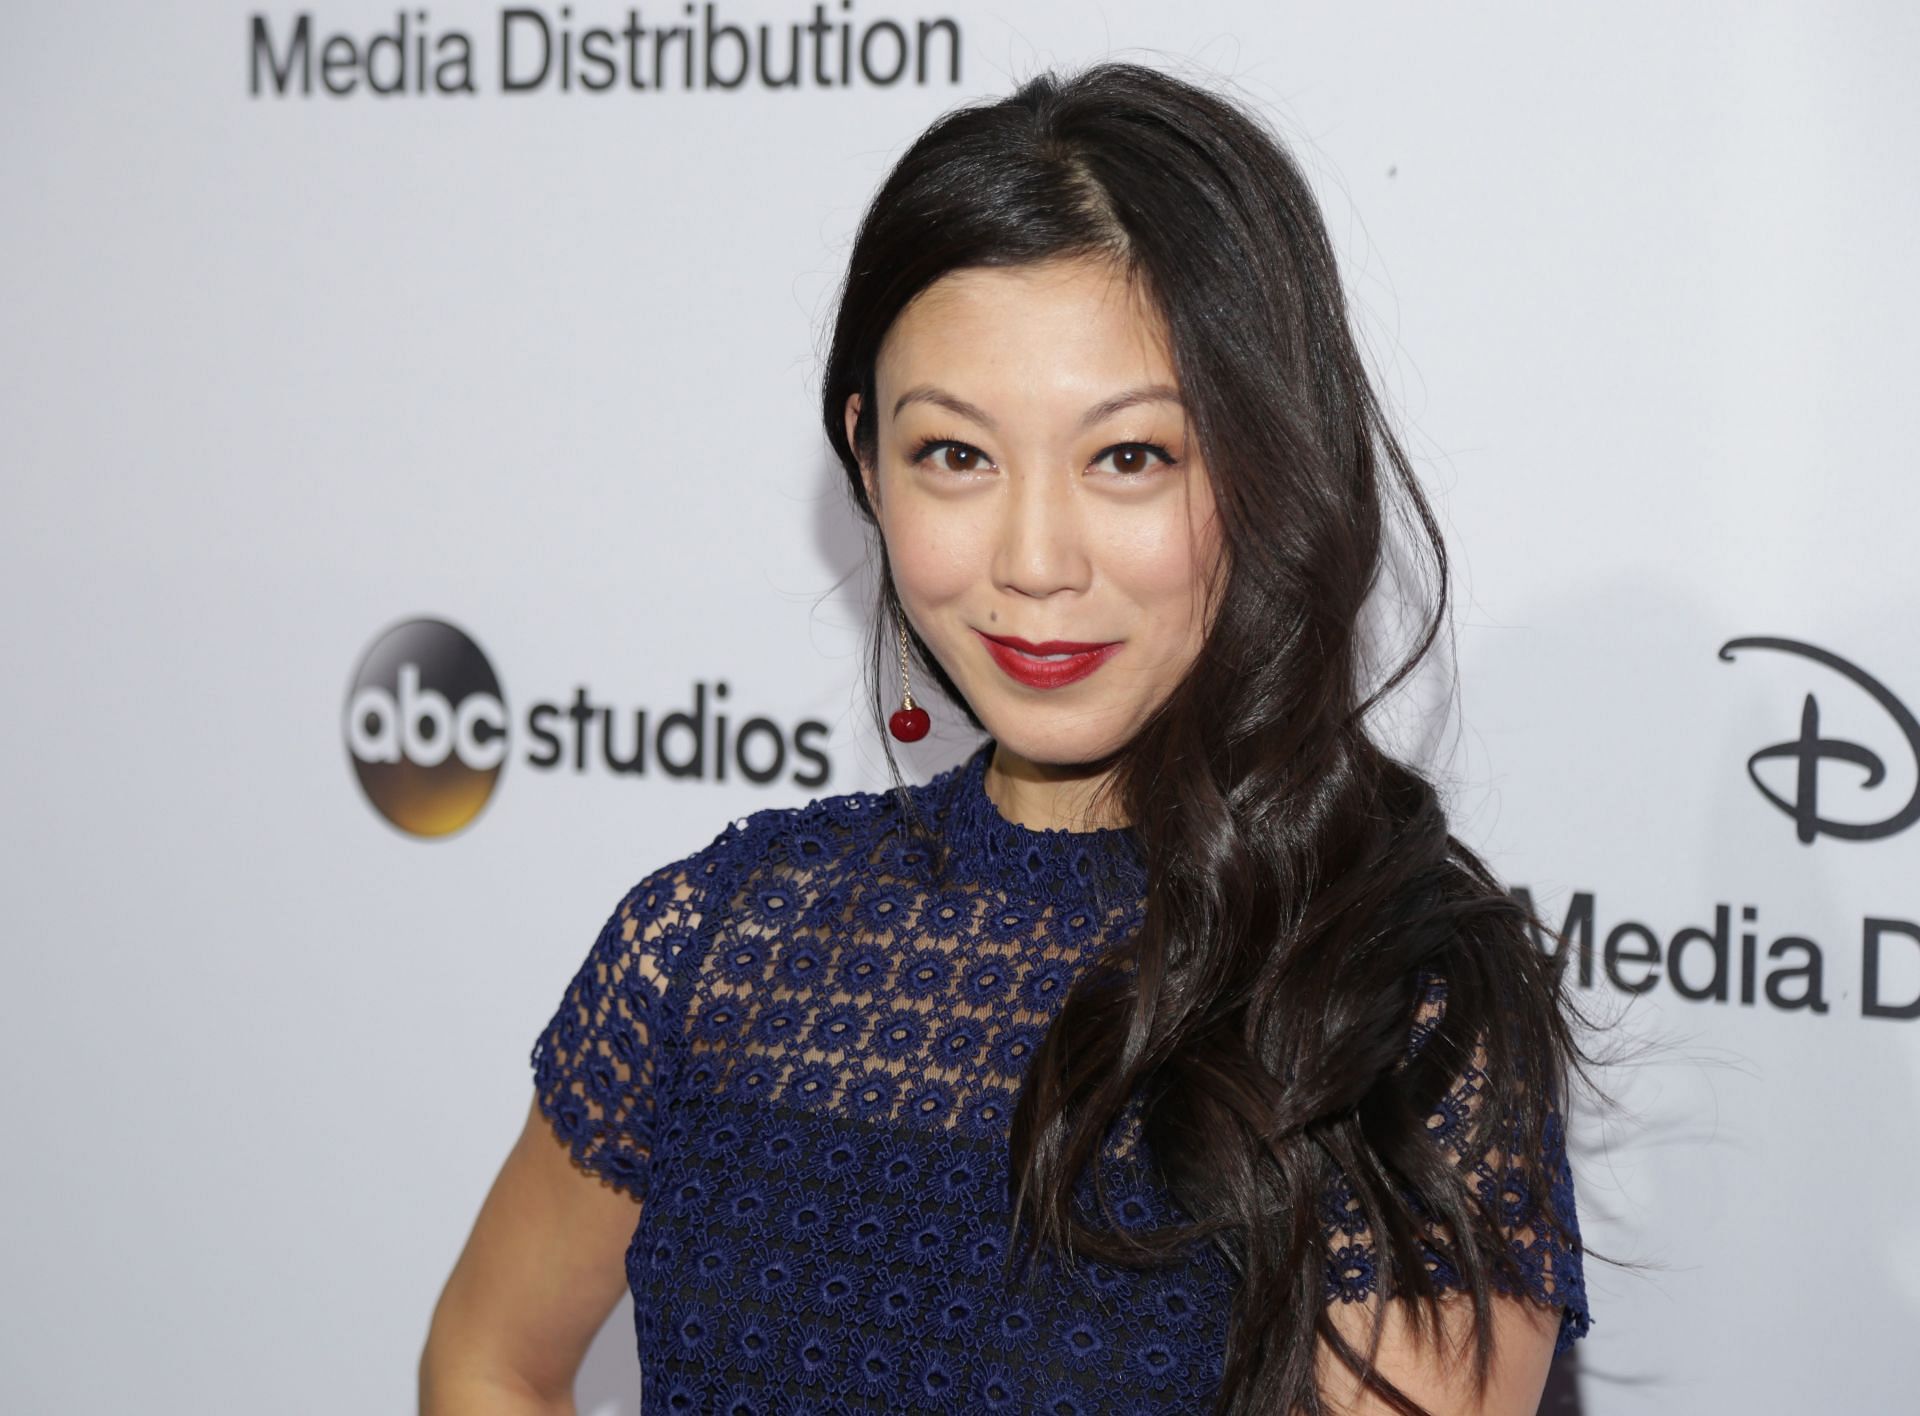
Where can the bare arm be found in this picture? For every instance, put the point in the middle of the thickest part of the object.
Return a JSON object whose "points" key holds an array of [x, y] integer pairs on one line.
{"points": [[1442, 1379], [540, 1272], [544, 1264]]}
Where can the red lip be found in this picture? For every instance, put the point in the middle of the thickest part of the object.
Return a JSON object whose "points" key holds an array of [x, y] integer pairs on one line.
{"points": [[1013, 655]]}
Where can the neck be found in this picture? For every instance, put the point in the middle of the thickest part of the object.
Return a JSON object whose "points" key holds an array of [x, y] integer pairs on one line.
{"points": [[1048, 796]]}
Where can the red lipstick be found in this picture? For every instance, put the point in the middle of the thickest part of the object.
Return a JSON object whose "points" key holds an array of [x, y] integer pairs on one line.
{"points": [[1021, 661]]}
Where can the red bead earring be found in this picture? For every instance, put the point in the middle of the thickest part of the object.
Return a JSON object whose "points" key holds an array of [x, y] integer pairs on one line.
{"points": [[909, 722]]}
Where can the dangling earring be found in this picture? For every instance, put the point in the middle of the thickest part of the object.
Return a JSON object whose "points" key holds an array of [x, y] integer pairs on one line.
{"points": [[909, 722]]}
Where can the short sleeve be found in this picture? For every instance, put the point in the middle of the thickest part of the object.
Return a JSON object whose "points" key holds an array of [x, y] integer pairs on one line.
{"points": [[597, 1062], [1543, 1232]]}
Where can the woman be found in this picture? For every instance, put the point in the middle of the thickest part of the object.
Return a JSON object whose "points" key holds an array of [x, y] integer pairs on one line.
{"points": [[1168, 1054]]}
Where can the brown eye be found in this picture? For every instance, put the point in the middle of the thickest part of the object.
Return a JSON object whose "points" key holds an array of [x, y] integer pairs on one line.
{"points": [[957, 457], [1132, 460]]}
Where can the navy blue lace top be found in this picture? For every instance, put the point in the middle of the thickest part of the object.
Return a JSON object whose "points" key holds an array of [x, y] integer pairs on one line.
{"points": [[802, 1058]]}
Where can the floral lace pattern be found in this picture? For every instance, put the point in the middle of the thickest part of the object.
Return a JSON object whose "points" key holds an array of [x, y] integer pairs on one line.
{"points": [[802, 1055]]}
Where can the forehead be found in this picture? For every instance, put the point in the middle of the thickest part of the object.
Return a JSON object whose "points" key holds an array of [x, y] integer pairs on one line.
{"points": [[1069, 326]]}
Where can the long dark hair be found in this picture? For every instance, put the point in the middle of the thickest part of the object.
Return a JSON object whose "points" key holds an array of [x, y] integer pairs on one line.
{"points": [[1300, 879]]}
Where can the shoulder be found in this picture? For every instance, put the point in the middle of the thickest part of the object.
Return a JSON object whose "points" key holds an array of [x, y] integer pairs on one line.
{"points": [[1503, 1133], [705, 886]]}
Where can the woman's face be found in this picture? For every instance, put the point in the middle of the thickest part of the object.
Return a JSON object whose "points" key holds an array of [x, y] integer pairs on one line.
{"points": [[1036, 481]]}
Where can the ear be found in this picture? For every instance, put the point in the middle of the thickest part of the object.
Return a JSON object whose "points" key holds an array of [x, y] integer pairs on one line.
{"points": [[866, 472]]}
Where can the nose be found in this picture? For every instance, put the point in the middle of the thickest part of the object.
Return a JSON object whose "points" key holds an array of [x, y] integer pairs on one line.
{"points": [[1041, 547]]}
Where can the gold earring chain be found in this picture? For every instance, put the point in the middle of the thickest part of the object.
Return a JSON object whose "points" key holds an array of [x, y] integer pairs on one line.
{"points": [[906, 691]]}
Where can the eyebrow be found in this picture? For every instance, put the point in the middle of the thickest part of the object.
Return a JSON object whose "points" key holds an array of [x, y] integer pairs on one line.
{"points": [[1104, 409]]}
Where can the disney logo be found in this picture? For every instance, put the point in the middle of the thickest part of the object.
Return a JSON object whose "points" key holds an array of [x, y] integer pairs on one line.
{"points": [[1810, 749]]}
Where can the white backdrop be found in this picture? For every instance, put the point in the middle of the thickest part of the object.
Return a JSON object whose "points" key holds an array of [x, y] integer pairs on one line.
{"points": [[283, 371]]}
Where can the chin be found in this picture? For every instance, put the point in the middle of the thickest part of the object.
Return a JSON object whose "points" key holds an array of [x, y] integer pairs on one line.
{"points": [[1071, 741]]}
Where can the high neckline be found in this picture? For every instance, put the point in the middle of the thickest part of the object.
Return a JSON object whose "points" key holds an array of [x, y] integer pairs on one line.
{"points": [[1010, 854]]}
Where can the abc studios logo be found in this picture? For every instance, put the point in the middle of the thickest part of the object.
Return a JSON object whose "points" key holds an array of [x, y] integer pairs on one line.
{"points": [[428, 733], [426, 727]]}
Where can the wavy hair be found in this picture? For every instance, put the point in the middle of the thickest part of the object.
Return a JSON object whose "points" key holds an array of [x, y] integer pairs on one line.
{"points": [[1300, 879]]}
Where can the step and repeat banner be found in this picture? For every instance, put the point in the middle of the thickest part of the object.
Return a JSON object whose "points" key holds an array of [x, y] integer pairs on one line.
{"points": [[417, 527]]}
